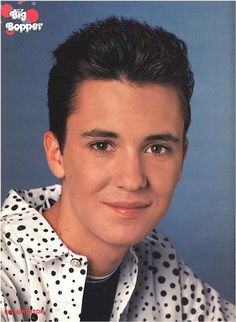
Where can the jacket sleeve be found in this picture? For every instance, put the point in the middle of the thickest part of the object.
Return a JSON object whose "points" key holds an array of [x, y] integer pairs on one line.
{"points": [[200, 301], [10, 309]]}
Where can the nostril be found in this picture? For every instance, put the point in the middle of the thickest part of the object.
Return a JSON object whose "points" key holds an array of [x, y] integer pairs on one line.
{"points": [[132, 183]]}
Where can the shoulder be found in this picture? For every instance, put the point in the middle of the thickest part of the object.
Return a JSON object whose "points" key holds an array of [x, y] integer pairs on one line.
{"points": [[24, 228], [196, 298], [23, 200], [20, 204]]}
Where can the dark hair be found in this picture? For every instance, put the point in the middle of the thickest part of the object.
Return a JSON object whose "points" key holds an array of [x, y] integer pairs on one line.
{"points": [[114, 49]]}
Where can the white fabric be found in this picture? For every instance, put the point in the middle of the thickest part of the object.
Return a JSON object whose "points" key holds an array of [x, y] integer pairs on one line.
{"points": [[46, 279]]}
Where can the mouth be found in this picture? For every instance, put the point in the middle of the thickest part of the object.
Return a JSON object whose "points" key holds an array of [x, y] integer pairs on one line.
{"points": [[128, 210]]}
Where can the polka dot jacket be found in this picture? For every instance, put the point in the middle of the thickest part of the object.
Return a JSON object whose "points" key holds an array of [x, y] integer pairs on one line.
{"points": [[43, 280]]}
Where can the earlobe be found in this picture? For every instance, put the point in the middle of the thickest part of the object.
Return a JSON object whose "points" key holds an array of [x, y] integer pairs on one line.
{"points": [[53, 154]]}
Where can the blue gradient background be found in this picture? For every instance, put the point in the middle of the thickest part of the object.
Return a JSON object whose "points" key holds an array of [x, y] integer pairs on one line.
{"points": [[200, 222]]}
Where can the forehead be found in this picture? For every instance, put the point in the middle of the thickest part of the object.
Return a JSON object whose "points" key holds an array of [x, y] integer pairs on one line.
{"points": [[121, 104]]}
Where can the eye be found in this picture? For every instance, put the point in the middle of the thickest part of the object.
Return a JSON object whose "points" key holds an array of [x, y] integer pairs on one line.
{"points": [[101, 146], [158, 149]]}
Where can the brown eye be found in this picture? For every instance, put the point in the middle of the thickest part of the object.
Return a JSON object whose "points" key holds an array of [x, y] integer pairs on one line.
{"points": [[101, 146], [157, 149]]}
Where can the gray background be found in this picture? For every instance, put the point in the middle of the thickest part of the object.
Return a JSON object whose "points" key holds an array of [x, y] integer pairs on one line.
{"points": [[200, 222]]}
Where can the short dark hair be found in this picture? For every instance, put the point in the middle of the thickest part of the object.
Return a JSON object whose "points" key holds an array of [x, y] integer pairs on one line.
{"points": [[114, 49]]}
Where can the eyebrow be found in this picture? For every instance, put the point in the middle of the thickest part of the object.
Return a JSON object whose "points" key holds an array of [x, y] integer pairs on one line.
{"points": [[110, 134], [100, 133], [163, 137]]}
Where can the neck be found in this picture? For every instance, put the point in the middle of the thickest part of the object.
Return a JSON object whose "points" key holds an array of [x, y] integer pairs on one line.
{"points": [[103, 258]]}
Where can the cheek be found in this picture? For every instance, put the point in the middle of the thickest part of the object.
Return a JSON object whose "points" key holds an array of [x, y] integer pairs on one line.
{"points": [[84, 176], [165, 178]]}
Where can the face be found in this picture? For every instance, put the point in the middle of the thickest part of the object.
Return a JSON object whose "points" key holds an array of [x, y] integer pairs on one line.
{"points": [[122, 159]]}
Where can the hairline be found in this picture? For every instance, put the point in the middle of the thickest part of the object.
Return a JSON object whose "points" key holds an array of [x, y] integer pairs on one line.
{"points": [[122, 78]]}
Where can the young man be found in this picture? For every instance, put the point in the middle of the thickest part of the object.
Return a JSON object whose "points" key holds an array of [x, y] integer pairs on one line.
{"points": [[119, 108]]}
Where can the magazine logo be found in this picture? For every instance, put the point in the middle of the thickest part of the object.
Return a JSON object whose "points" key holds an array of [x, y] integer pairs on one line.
{"points": [[21, 21]]}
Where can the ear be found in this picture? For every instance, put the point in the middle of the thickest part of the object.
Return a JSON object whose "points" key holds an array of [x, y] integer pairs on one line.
{"points": [[53, 154], [185, 149]]}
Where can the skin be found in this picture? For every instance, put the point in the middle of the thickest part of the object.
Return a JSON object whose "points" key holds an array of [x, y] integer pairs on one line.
{"points": [[121, 162]]}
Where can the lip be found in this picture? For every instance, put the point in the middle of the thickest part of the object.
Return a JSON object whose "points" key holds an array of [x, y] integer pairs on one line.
{"points": [[128, 210]]}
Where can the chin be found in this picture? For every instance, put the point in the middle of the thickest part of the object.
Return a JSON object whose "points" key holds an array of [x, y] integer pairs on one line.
{"points": [[126, 239]]}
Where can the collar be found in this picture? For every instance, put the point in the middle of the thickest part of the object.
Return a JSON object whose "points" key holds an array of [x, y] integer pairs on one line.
{"points": [[23, 210]]}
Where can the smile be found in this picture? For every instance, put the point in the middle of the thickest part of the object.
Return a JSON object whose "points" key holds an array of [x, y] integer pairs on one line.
{"points": [[128, 210]]}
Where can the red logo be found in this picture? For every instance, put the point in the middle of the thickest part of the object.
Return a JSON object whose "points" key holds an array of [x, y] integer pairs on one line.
{"points": [[22, 21]]}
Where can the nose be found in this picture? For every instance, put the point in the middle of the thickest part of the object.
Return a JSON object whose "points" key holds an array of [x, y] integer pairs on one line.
{"points": [[130, 172]]}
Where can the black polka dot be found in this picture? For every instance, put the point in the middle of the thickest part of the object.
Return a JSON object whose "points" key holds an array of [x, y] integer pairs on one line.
{"points": [[14, 207], [153, 269], [34, 317], [156, 255], [161, 279], [175, 271], [172, 256], [184, 301], [166, 264], [192, 286], [30, 250], [21, 227], [177, 308], [8, 235]]}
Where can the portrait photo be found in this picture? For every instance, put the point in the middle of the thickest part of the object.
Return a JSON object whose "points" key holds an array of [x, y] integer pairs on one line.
{"points": [[129, 106]]}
